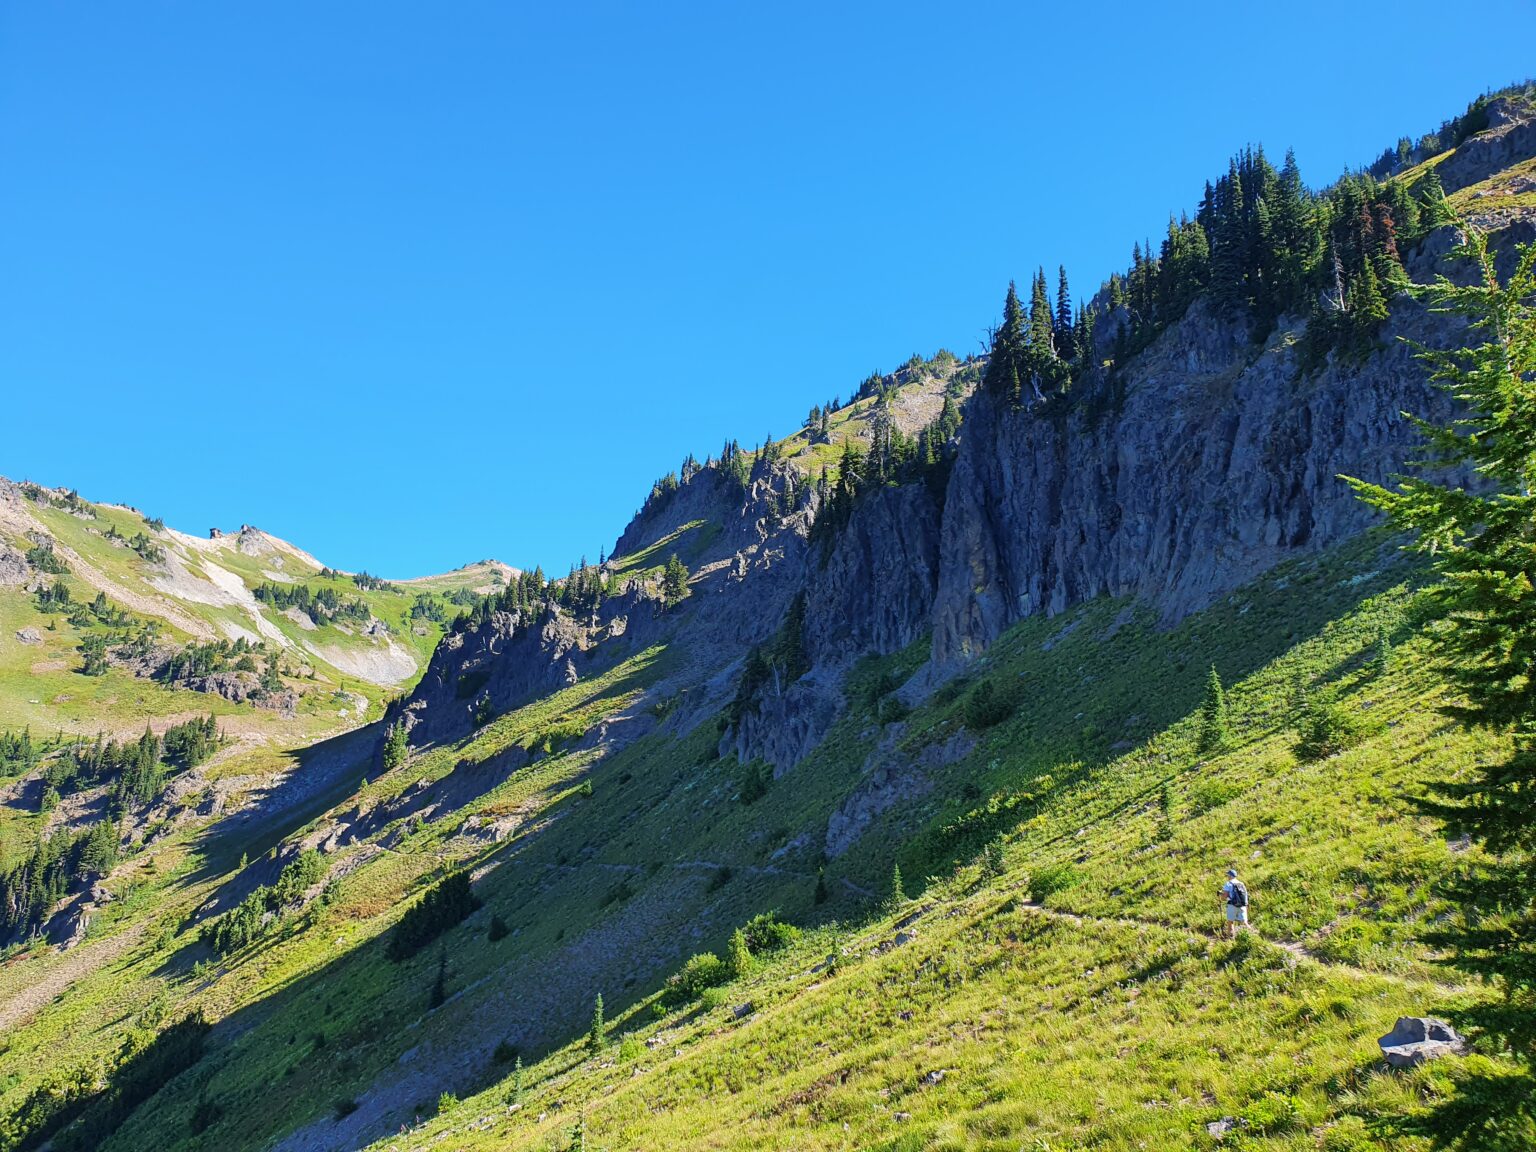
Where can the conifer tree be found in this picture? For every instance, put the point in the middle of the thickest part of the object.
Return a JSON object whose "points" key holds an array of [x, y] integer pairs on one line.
{"points": [[1008, 342], [1064, 328], [1214, 731], [595, 1032], [898, 895], [1482, 544], [674, 581]]}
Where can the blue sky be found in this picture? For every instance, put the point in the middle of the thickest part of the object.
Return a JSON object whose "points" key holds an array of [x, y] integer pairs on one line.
{"points": [[412, 284]]}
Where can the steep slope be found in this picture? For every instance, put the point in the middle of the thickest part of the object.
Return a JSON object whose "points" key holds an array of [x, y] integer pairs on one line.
{"points": [[981, 667]]}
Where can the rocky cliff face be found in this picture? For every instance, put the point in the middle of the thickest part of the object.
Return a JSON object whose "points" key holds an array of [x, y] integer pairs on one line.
{"points": [[1207, 462]]}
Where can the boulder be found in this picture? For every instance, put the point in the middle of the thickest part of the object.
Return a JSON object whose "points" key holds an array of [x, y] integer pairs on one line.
{"points": [[1416, 1039], [29, 636]]}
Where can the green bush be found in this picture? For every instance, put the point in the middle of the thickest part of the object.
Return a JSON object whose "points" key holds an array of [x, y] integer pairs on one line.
{"points": [[985, 706], [767, 933], [706, 970], [1328, 728]]}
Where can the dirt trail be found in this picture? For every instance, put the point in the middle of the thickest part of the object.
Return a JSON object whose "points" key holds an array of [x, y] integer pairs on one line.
{"points": [[76, 964], [1294, 948]]}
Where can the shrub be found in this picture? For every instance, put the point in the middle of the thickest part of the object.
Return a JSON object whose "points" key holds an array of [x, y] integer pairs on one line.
{"points": [[755, 782], [1328, 728], [344, 1107], [499, 929], [767, 933], [706, 970], [504, 1053], [985, 706]]}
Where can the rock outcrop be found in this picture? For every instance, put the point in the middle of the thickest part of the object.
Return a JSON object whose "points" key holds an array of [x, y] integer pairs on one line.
{"points": [[1204, 463], [1415, 1039]]}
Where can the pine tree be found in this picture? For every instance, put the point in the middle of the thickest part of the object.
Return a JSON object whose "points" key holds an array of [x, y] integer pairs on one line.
{"points": [[1004, 368], [1214, 732], [1482, 545], [1064, 328], [674, 581], [396, 745], [821, 895], [595, 1032], [1435, 210], [898, 895]]}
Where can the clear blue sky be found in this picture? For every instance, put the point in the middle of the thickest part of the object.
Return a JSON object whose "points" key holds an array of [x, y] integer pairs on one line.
{"points": [[413, 284]]}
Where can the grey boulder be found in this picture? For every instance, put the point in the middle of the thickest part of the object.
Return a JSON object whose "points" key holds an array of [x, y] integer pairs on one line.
{"points": [[1416, 1039]]}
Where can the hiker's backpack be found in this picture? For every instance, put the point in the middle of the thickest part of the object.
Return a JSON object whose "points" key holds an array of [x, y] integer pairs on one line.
{"points": [[1239, 896]]}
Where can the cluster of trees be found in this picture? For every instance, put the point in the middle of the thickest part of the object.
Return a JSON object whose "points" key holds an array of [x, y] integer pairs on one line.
{"points": [[19, 754], [70, 501], [196, 660], [522, 593], [445, 904], [371, 583], [43, 558], [429, 607], [139, 542], [264, 908], [1033, 352], [892, 458], [1261, 245], [1407, 152], [319, 604], [30, 888], [584, 590], [82, 1107], [190, 743]]}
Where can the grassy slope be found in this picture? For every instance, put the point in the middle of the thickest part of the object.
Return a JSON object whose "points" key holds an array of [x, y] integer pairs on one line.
{"points": [[1110, 1018], [1028, 1014]]}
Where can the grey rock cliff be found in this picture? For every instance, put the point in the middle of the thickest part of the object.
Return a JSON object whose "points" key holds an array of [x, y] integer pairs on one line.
{"points": [[1207, 463]]}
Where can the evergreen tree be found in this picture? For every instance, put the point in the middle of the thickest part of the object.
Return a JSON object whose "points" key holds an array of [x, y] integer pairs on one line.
{"points": [[1063, 310], [1214, 731], [396, 745], [1435, 210], [1004, 368], [1481, 543], [595, 1032], [898, 895], [821, 895], [674, 581]]}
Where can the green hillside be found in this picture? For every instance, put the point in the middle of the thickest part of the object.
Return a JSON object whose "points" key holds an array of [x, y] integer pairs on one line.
{"points": [[1028, 1011]]}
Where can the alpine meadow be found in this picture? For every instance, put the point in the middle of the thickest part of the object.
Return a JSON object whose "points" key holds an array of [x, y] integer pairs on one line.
{"points": [[1119, 736]]}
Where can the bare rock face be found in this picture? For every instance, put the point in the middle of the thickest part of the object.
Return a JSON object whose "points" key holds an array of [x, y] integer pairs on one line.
{"points": [[1208, 463], [874, 593], [1416, 1039], [14, 570], [1509, 138], [890, 778]]}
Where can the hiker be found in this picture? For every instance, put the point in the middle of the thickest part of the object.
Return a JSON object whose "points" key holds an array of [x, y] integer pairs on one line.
{"points": [[1234, 895]]}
